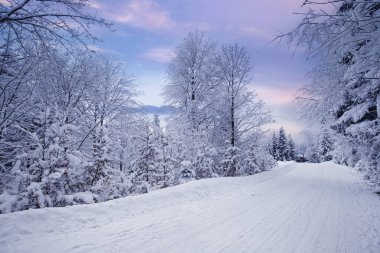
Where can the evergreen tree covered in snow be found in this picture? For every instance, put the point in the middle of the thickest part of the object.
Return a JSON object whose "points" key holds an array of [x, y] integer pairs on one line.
{"points": [[291, 152], [205, 164], [257, 159], [325, 146], [282, 145], [273, 146], [231, 165], [147, 169], [345, 88], [282, 148], [100, 171], [155, 166]]}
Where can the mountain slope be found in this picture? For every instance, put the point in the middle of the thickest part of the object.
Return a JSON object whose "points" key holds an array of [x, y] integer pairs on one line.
{"points": [[294, 208]]}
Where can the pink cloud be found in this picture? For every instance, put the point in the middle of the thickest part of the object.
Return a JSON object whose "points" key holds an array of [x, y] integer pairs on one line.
{"points": [[276, 96], [163, 55], [279, 100], [258, 18], [144, 14], [5, 2]]}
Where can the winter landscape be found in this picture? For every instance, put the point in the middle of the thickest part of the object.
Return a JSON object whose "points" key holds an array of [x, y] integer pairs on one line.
{"points": [[189, 126]]}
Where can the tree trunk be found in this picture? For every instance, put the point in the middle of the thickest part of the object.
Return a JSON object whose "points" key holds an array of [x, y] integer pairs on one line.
{"points": [[232, 121]]}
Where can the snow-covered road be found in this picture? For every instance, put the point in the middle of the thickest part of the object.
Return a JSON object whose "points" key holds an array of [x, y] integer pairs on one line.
{"points": [[293, 208]]}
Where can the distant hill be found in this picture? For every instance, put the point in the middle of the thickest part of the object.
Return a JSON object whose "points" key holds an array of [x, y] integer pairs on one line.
{"points": [[152, 109]]}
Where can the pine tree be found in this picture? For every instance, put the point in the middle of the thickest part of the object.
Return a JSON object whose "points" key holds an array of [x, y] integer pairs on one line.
{"points": [[273, 146], [251, 163], [164, 162], [291, 153], [325, 146], [204, 164], [101, 171], [153, 169], [143, 174], [282, 145]]}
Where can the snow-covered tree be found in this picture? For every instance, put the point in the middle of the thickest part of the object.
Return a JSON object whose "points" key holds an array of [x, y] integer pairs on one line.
{"points": [[231, 163], [100, 170], [205, 162], [241, 114], [30, 32], [146, 169], [43, 96], [155, 164], [282, 145], [291, 152], [242, 111], [48, 22], [257, 158], [345, 87], [191, 85], [55, 150], [273, 146], [192, 89], [215, 112], [325, 145], [282, 148]]}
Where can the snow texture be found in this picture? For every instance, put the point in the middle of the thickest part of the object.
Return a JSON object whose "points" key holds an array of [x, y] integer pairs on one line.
{"points": [[292, 208]]}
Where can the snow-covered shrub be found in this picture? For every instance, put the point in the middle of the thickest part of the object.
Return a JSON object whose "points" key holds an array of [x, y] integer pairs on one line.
{"points": [[257, 159], [231, 165], [80, 198], [185, 173], [8, 202], [204, 165]]}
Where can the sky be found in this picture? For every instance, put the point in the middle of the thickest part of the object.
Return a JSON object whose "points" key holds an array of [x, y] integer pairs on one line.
{"points": [[147, 32]]}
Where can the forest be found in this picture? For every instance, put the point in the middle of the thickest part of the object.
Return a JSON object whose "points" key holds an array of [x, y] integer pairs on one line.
{"points": [[72, 130]]}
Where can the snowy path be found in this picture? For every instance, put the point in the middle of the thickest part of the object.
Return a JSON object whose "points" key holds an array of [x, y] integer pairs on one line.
{"points": [[294, 208]]}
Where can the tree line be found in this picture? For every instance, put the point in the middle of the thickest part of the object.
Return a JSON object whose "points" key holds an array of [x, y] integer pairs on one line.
{"points": [[343, 96], [282, 147]]}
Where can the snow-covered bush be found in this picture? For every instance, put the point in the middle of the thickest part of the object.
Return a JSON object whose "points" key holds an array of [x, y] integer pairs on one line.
{"points": [[185, 173], [257, 159]]}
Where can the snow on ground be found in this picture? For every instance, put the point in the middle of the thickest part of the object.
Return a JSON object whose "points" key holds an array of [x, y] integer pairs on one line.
{"points": [[293, 208]]}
